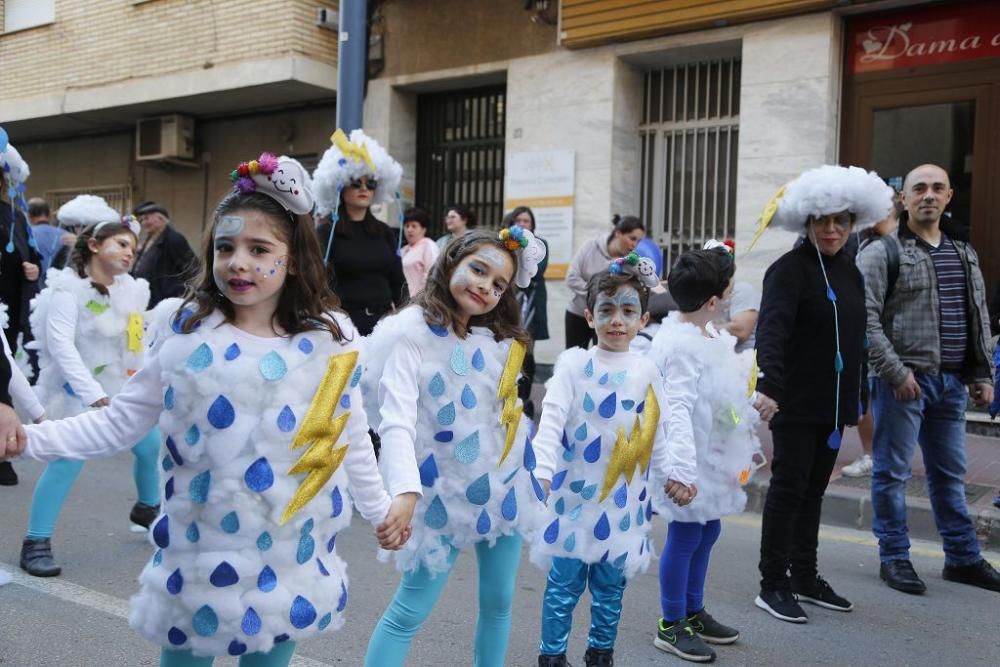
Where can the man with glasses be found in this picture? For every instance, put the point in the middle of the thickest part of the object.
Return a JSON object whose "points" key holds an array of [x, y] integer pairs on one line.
{"points": [[928, 342]]}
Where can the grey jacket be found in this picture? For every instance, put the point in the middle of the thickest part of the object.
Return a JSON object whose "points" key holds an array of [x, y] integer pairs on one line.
{"points": [[903, 331]]}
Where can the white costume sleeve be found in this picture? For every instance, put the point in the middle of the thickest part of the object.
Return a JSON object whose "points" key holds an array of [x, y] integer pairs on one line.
{"points": [[96, 433], [555, 410], [61, 336], [20, 389], [676, 459], [398, 392]]}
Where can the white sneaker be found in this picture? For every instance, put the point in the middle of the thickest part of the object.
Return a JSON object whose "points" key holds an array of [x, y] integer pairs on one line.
{"points": [[862, 467]]}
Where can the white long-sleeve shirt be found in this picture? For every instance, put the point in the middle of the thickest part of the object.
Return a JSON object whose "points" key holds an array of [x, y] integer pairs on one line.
{"points": [[398, 394], [20, 389], [61, 336]]}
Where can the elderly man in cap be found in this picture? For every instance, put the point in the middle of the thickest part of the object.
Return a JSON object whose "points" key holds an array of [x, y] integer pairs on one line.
{"points": [[164, 257]]}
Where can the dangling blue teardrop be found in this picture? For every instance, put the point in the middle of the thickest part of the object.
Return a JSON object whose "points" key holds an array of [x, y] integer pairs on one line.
{"points": [[833, 442], [838, 363], [830, 294]]}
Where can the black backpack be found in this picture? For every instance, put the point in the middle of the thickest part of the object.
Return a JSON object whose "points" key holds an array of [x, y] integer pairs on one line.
{"points": [[892, 265]]}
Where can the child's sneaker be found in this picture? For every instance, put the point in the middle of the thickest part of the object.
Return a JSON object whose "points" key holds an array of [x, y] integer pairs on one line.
{"points": [[598, 657], [553, 661], [861, 467], [681, 640], [711, 630], [819, 593]]}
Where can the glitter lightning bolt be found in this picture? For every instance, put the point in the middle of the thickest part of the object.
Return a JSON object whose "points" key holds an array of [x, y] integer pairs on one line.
{"points": [[636, 450], [510, 415], [321, 460], [754, 372]]}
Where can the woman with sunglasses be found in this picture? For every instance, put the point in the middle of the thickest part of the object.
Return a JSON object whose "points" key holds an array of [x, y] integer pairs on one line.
{"points": [[362, 256]]}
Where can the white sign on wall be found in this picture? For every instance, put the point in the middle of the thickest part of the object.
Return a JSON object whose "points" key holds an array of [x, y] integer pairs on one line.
{"points": [[544, 181]]}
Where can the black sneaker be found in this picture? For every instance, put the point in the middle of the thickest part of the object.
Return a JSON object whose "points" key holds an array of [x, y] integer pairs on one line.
{"points": [[681, 640], [143, 515], [711, 630], [781, 605], [7, 475], [819, 593], [553, 661], [36, 558], [979, 574], [599, 657]]}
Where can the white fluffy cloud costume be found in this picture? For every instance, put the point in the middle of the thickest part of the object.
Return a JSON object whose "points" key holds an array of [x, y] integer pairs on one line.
{"points": [[472, 492], [350, 158], [86, 210], [108, 337], [707, 401]]}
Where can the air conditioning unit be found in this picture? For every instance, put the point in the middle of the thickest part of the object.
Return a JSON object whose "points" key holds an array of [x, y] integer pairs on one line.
{"points": [[168, 137]]}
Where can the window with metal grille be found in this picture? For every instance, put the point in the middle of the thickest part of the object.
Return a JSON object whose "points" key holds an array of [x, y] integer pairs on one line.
{"points": [[460, 154], [688, 137], [119, 197]]}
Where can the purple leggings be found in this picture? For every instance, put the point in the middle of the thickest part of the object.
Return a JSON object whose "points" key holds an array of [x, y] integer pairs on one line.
{"points": [[683, 566]]}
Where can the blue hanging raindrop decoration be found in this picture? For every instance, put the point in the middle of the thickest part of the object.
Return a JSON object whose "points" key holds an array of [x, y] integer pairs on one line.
{"points": [[334, 215]]}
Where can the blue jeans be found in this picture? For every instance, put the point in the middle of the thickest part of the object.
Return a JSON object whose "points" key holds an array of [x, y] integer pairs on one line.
{"points": [[568, 578], [936, 421]]}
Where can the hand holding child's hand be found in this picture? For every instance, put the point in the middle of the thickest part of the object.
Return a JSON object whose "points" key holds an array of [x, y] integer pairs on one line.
{"points": [[766, 407], [680, 493], [12, 436], [395, 530], [101, 403], [547, 485]]}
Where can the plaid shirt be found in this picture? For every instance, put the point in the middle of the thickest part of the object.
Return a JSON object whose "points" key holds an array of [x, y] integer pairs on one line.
{"points": [[904, 331]]}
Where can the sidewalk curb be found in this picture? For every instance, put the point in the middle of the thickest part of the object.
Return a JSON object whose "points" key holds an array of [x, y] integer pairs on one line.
{"points": [[852, 508]]}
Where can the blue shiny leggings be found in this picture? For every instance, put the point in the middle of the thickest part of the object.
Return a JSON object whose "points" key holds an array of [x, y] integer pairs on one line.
{"points": [[683, 567], [54, 485], [279, 656], [568, 578], [418, 591]]}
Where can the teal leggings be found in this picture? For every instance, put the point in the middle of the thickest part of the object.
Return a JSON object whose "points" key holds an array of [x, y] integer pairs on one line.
{"points": [[418, 591], [279, 656], [54, 485]]}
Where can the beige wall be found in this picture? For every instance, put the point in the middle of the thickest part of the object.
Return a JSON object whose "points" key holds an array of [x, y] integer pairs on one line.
{"points": [[424, 35], [95, 42], [189, 194]]}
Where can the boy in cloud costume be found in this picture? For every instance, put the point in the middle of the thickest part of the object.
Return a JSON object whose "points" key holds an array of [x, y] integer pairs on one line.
{"points": [[601, 450]]}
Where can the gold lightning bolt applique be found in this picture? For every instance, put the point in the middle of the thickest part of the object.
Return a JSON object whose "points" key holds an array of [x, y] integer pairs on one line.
{"points": [[134, 331], [510, 414], [353, 151], [321, 460], [636, 450], [754, 372]]}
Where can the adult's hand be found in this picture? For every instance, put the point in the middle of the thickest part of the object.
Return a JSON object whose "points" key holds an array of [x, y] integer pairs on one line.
{"points": [[909, 390], [101, 403], [12, 436], [982, 393], [681, 494], [766, 407], [30, 271]]}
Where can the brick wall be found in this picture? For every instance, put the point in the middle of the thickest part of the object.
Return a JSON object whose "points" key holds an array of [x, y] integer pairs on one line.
{"points": [[95, 42]]}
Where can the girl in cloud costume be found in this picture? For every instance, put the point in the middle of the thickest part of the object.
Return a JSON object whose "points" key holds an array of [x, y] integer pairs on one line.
{"points": [[601, 449], [255, 383], [88, 328], [444, 374]]}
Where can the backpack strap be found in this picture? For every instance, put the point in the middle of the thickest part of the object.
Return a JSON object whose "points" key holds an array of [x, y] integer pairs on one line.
{"points": [[892, 265]]}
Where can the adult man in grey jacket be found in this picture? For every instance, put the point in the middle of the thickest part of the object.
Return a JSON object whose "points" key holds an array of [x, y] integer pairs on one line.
{"points": [[929, 339]]}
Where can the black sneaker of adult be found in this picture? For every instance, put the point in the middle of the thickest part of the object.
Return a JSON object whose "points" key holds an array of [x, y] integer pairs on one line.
{"points": [[782, 605], [680, 639], [597, 657], [36, 558], [7, 475], [553, 661], [899, 574], [979, 574], [819, 592], [711, 630], [143, 515]]}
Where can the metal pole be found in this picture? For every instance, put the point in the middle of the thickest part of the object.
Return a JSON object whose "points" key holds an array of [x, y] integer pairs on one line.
{"points": [[351, 64]]}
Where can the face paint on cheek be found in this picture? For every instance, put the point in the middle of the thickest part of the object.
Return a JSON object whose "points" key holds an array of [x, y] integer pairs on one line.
{"points": [[461, 279], [229, 225], [624, 303]]}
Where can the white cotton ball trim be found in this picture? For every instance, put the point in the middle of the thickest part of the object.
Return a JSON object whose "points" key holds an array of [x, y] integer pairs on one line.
{"points": [[335, 171], [86, 210], [832, 189], [19, 170]]}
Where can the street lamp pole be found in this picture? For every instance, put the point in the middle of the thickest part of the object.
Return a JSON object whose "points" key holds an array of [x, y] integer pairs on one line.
{"points": [[351, 64]]}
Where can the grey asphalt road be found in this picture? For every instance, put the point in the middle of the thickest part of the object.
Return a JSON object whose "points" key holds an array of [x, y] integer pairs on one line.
{"points": [[78, 619]]}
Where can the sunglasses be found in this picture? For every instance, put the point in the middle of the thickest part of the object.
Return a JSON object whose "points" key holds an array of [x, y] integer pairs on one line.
{"points": [[842, 220], [368, 183]]}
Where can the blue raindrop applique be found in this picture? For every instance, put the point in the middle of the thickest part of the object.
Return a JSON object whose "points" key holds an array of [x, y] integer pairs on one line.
{"points": [[621, 496], [230, 523], [193, 534], [322, 568], [251, 623], [588, 492], [438, 330], [272, 366], [588, 370], [305, 346], [536, 486], [560, 506], [236, 647], [286, 420], [625, 523], [581, 432], [459, 364], [558, 479], [161, 532], [342, 601], [259, 476], [345, 401], [201, 358], [444, 436], [508, 508], [205, 622], [604, 379], [267, 580], [478, 493], [608, 406], [618, 378], [302, 614], [551, 533], [192, 435], [467, 451], [529, 456], [223, 575], [232, 352], [627, 404], [446, 415], [483, 523], [176, 636], [593, 451], [428, 471], [356, 377], [336, 502], [168, 398], [168, 489], [172, 448], [306, 548], [577, 485], [602, 529], [570, 542], [436, 516], [588, 402], [478, 361], [324, 621], [175, 582], [574, 514], [264, 541], [198, 487], [437, 386], [468, 398], [221, 413]]}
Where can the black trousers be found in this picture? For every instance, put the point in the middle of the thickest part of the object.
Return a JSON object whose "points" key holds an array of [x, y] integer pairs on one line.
{"points": [[800, 471], [578, 332]]}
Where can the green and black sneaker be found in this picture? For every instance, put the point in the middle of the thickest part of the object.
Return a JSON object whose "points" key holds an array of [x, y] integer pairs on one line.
{"points": [[680, 639], [711, 630]]}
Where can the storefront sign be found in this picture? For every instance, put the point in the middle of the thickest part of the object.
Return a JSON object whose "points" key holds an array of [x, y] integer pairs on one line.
{"points": [[945, 33], [544, 181]]}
